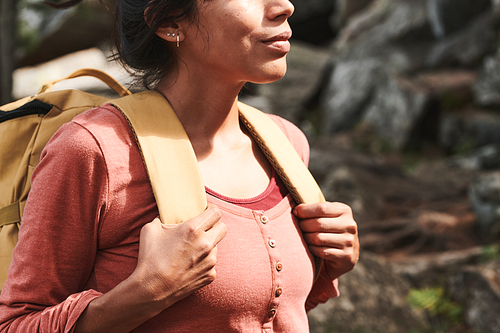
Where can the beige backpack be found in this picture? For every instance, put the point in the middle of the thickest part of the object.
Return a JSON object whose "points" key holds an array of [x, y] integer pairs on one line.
{"points": [[27, 124]]}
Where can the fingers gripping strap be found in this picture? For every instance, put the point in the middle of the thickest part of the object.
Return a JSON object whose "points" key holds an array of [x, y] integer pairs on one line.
{"points": [[168, 155]]}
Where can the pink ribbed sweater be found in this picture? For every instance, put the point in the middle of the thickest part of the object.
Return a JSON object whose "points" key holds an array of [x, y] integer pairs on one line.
{"points": [[80, 233]]}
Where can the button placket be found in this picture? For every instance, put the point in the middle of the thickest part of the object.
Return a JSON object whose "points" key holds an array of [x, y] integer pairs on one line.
{"points": [[272, 246]]}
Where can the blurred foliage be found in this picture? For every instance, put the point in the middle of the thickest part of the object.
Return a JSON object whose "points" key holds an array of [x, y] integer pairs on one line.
{"points": [[490, 252], [442, 310], [35, 20], [31, 19]]}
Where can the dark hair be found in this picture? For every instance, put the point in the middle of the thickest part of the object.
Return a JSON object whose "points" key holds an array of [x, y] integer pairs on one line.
{"points": [[138, 48]]}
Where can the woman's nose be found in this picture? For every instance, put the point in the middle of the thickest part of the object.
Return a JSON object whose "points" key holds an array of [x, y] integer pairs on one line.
{"points": [[281, 9]]}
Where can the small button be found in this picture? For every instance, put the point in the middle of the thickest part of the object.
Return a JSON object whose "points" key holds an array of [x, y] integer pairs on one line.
{"points": [[272, 312], [264, 219], [272, 243], [279, 291], [279, 266]]}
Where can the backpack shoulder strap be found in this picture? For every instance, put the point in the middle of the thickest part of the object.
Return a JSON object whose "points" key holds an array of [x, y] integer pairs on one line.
{"points": [[284, 159], [168, 155], [281, 154], [171, 162]]}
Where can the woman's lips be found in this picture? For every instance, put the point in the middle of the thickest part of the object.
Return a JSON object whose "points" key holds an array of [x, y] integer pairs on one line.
{"points": [[280, 42]]}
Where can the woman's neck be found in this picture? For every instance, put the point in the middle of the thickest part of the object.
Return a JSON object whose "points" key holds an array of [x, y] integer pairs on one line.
{"points": [[206, 107]]}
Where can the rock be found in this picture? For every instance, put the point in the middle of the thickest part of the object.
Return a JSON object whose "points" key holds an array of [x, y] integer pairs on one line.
{"points": [[391, 31], [348, 92], [398, 110], [468, 129], [487, 88], [379, 58], [467, 46], [365, 78], [477, 289], [484, 193], [363, 92], [481, 159], [448, 16], [345, 9], [373, 299]]}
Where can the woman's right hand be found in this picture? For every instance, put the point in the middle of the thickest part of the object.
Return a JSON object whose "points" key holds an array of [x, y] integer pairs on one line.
{"points": [[176, 260]]}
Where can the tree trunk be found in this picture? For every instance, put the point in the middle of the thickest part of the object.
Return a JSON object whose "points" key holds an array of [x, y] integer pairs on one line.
{"points": [[8, 19]]}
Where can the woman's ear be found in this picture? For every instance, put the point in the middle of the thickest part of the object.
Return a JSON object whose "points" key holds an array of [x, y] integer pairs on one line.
{"points": [[169, 31]]}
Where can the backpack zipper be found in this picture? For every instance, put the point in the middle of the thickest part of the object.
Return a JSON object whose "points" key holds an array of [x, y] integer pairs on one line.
{"points": [[34, 107]]}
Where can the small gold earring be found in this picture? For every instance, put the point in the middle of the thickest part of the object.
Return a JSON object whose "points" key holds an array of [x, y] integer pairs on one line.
{"points": [[177, 40]]}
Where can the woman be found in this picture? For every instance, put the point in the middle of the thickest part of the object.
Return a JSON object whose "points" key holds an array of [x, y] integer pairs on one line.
{"points": [[103, 262]]}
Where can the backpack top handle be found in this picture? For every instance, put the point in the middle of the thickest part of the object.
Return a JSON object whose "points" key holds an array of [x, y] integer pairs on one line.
{"points": [[111, 82]]}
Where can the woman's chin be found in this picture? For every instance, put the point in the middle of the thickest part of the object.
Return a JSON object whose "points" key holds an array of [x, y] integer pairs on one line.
{"points": [[272, 74]]}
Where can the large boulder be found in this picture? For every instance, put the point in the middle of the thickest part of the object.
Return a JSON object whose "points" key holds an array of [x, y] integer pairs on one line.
{"points": [[379, 56], [372, 299], [468, 46], [477, 289], [349, 90], [394, 104], [398, 110]]}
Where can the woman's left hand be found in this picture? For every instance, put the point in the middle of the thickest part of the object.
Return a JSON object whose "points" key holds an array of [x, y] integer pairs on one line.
{"points": [[331, 233]]}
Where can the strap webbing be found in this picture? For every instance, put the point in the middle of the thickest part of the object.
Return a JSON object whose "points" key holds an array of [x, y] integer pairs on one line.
{"points": [[10, 214]]}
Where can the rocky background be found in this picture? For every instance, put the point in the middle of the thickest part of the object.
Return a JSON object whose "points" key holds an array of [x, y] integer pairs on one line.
{"points": [[401, 102]]}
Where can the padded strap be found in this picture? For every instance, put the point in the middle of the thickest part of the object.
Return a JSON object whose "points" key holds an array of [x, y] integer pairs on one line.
{"points": [[281, 154], [168, 155], [111, 82], [10, 214], [171, 162]]}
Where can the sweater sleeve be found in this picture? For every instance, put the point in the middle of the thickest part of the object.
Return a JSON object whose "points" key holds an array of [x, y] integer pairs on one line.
{"points": [[58, 237], [324, 288]]}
